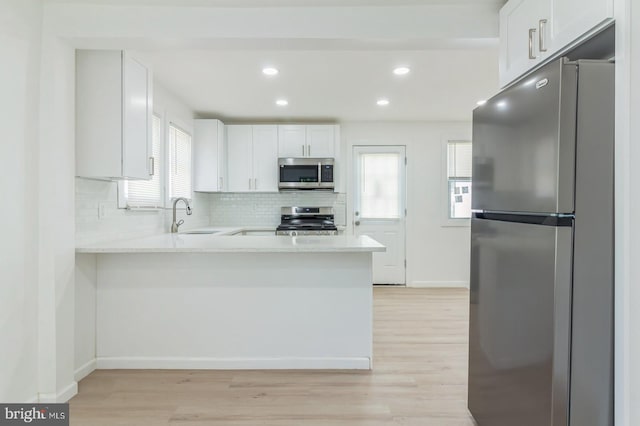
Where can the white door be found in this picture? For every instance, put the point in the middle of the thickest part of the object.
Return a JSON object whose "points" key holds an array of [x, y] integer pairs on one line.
{"points": [[239, 158], [265, 158], [379, 207], [292, 141], [320, 140]]}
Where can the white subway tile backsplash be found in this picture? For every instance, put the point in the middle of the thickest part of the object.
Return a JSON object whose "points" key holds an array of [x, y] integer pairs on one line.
{"points": [[223, 209], [263, 209], [121, 223]]}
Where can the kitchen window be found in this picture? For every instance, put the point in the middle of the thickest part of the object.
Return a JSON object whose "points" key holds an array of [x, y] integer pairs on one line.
{"points": [[180, 170], [148, 193], [459, 159]]}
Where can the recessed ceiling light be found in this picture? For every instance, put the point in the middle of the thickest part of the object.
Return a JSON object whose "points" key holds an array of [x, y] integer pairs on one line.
{"points": [[482, 102], [401, 71], [502, 104], [270, 71], [282, 102], [383, 102]]}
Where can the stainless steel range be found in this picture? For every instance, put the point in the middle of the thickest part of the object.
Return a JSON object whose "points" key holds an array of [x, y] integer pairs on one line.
{"points": [[307, 221]]}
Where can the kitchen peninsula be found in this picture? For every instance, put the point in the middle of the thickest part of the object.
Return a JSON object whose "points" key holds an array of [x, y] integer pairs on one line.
{"points": [[214, 301]]}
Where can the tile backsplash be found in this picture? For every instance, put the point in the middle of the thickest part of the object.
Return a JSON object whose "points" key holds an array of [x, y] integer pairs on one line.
{"points": [[263, 209], [98, 217]]}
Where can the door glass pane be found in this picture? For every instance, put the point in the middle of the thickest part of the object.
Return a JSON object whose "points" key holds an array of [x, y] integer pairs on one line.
{"points": [[380, 185]]}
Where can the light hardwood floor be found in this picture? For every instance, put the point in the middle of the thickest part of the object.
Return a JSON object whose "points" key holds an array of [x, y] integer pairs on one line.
{"points": [[419, 379]]}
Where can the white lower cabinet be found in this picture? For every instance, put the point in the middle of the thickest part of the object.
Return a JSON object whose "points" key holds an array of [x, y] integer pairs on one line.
{"points": [[532, 31], [252, 158]]}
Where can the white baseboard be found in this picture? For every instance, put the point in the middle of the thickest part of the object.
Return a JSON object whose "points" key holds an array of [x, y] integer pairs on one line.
{"points": [[33, 400], [439, 284], [63, 395], [186, 363], [85, 370]]}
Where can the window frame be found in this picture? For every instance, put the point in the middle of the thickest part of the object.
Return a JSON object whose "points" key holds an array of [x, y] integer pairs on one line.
{"points": [[446, 220], [183, 126]]}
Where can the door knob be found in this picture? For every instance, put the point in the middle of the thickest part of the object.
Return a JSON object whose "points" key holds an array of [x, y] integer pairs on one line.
{"points": [[357, 222]]}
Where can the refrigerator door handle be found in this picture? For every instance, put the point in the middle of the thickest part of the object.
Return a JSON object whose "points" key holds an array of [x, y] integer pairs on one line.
{"points": [[562, 325]]}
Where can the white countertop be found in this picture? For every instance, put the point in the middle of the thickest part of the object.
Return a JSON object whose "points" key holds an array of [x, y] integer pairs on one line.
{"points": [[222, 241]]}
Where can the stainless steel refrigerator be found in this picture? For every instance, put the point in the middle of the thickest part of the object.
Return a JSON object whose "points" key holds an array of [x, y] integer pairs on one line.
{"points": [[541, 301]]}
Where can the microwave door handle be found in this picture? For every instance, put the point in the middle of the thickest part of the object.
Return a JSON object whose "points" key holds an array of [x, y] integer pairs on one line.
{"points": [[319, 173]]}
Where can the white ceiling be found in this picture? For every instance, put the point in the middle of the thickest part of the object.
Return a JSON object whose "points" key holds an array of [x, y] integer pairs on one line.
{"points": [[328, 85], [335, 56], [284, 3]]}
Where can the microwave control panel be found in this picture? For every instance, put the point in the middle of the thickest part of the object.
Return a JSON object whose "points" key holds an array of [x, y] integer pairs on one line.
{"points": [[327, 173]]}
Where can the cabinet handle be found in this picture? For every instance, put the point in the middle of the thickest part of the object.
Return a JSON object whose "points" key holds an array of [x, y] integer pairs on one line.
{"points": [[542, 43], [153, 166], [221, 184], [309, 150], [532, 32], [255, 183], [303, 150], [249, 183]]}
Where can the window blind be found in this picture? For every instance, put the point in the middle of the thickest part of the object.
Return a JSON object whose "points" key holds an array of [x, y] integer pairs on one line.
{"points": [[459, 159], [179, 163], [148, 193]]}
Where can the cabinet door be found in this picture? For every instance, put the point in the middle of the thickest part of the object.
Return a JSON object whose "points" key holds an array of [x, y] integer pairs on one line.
{"points": [[136, 149], [239, 158], [571, 19], [320, 141], [520, 37], [292, 141], [265, 158], [222, 158], [206, 155]]}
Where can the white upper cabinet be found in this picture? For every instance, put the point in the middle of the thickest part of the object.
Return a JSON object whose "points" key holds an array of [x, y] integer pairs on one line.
{"points": [[306, 140], [252, 158], [209, 156], [114, 107], [522, 37], [320, 141], [265, 158], [532, 31], [292, 140], [239, 158], [573, 18]]}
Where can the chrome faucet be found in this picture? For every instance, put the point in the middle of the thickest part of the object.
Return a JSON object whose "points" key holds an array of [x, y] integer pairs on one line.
{"points": [[174, 225]]}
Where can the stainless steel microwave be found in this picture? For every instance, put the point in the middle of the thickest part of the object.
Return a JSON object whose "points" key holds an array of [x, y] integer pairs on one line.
{"points": [[306, 173]]}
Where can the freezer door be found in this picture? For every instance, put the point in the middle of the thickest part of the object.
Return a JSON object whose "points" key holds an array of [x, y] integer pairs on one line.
{"points": [[524, 144], [519, 323]]}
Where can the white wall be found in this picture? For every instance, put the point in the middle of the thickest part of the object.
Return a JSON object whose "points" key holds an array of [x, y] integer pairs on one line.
{"points": [[437, 255], [627, 293], [56, 247], [20, 35]]}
